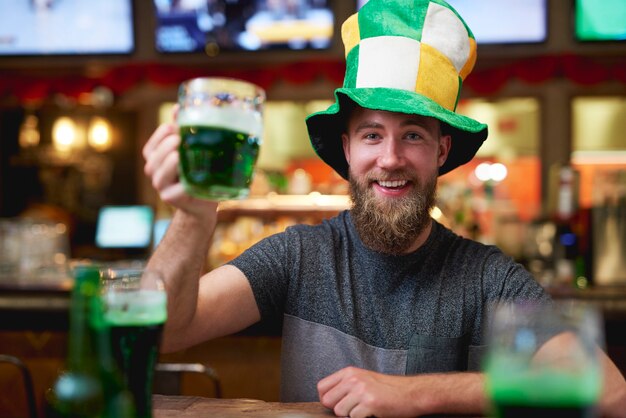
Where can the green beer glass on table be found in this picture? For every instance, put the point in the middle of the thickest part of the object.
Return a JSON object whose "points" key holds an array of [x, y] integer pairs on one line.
{"points": [[543, 360], [220, 122], [135, 309]]}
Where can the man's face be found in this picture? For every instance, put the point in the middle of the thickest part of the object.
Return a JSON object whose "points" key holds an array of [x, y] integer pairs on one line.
{"points": [[394, 160]]}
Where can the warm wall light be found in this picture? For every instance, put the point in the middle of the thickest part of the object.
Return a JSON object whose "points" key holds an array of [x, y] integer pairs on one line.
{"points": [[99, 135], [64, 134], [29, 132]]}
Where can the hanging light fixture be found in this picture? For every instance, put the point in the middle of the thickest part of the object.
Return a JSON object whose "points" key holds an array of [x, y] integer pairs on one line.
{"points": [[99, 134]]}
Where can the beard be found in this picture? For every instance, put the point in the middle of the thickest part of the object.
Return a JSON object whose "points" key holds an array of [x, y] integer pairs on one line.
{"points": [[391, 226]]}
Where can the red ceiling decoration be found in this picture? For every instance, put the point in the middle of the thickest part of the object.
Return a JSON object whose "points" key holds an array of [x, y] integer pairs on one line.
{"points": [[120, 79]]}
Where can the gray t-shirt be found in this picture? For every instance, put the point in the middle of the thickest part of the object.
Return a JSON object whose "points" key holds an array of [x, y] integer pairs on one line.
{"points": [[343, 304]]}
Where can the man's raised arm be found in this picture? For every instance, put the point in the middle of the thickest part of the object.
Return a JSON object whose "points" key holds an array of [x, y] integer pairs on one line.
{"points": [[200, 306]]}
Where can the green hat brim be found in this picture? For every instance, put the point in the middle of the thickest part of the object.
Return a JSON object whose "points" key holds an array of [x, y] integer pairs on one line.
{"points": [[326, 127]]}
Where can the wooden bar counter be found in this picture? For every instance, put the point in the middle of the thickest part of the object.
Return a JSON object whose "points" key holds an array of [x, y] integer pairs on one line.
{"points": [[193, 406]]}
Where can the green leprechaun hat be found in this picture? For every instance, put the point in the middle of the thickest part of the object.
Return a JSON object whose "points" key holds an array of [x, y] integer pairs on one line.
{"points": [[408, 56]]}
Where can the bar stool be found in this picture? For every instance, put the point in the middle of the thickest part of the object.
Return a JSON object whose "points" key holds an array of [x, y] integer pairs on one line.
{"points": [[168, 377], [26, 380]]}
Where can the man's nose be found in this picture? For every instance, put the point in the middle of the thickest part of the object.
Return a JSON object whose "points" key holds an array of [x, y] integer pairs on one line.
{"points": [[391, 155]]}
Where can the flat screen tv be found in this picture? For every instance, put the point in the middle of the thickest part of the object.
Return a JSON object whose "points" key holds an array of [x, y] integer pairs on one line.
{"points": [[243, 25], [600, 20], [66, 27], [502, 21], [126, 226]]}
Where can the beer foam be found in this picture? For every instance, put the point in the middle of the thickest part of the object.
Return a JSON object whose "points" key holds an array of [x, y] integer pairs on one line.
{"points": [[141, 307], [222, 117]]}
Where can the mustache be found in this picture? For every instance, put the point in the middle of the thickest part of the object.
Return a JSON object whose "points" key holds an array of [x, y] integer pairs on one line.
{"points": [[409, 175]]}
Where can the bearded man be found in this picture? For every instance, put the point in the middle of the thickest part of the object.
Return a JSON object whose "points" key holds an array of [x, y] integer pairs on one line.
{"points": [[382, 308]]}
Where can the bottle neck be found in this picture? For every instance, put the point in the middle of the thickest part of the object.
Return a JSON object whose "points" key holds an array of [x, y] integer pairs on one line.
{"points": [[81, 347]]}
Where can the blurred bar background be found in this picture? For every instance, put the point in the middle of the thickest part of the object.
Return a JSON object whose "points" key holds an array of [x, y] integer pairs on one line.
{"points": [[84, 83]]}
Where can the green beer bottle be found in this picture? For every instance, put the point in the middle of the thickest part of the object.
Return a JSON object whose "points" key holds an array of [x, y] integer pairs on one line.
{"points": [[89, 386]]}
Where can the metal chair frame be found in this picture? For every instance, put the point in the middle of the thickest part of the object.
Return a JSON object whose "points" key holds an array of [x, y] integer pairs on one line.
{"points": [[26, 378], [173, 387]]}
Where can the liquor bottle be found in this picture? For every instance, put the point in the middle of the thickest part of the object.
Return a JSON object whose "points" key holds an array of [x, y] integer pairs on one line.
{"points": [[88, 387], [570, 230]]}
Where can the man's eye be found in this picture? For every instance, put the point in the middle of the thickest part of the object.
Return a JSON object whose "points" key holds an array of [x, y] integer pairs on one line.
{"points": [[371, 136], [413, 136]]}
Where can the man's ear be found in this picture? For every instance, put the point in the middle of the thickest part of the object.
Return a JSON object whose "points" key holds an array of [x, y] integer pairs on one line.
{"points": [[345, 140], [445, 143]]}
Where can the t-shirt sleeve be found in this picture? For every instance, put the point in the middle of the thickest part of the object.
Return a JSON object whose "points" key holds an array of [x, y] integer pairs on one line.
{"points": [[265, 266], [508, 280]]}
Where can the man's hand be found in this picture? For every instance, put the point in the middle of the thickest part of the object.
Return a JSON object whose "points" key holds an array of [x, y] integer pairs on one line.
{"points": [[356, 392], [613, 398]]}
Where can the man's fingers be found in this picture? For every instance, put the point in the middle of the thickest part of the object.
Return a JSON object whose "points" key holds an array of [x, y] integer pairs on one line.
{"points": [[160, 133], [167, 146], [167, 173], [325, 385], [360, 411], [346, 406]]}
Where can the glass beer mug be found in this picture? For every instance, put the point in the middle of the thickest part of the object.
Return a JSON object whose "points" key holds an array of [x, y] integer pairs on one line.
{"points": [[220, 122], [135, 310], [543, 360]]}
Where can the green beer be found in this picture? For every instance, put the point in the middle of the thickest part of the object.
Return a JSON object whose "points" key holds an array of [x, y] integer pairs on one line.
{"points": [[220, 122], [136, 321], [542, 392], [217, 162]]}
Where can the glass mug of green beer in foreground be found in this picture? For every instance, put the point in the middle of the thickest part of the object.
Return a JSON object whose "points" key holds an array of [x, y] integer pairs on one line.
{"points": [[543, 360], [220, 122], [135, 309]]}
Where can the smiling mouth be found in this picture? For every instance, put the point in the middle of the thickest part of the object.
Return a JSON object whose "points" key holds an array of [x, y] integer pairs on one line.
{"points": [[392, 184]]}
